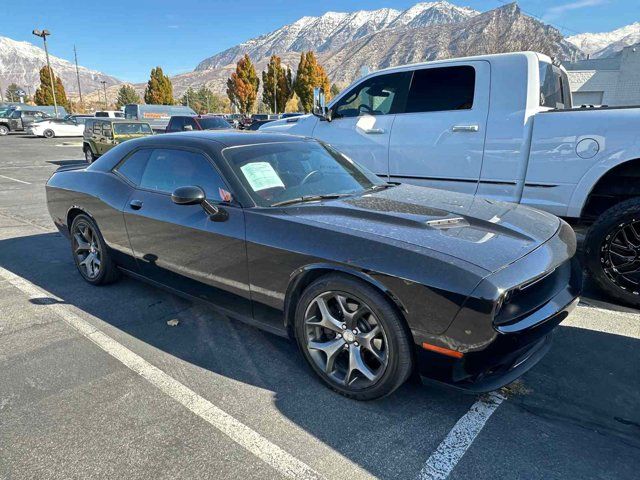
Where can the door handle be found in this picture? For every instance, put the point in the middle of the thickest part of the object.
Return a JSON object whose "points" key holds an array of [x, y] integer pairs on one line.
{"points": [[135, 204], [374, 130], [465, 128]]}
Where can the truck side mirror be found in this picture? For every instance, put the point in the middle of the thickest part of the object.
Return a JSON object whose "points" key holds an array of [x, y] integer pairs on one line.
{"points": [[319, 104]]}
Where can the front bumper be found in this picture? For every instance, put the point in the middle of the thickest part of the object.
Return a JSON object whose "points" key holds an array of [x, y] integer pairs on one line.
{"points": [[495, 354]]}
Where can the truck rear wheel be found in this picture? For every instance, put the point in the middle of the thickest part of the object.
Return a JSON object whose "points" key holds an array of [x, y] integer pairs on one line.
{"points": [[4, 130], [612, 251]]}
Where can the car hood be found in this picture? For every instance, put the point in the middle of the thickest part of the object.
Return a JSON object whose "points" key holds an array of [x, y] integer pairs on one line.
{"points": [[483, 232]]}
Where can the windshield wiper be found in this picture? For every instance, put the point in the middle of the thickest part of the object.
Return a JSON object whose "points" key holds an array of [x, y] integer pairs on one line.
{"points": [[310, 198], [384, 186]]}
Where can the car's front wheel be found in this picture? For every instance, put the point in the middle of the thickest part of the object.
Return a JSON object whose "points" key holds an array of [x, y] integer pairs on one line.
{"points": [[352, 337], [612, 251], [48, 133], [4, 130], [90, 253]]}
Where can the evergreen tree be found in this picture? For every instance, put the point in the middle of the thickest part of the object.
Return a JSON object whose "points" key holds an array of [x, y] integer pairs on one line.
{"points": [[277, 78], [127, 94], [242, 86], [44, 95], [204, 101], [11, 94], [159, 89], [309, 76]]}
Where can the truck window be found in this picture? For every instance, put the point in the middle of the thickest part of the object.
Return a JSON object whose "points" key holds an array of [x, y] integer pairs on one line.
{"points": [[441, 89], [131, 112], [554, 91], [380, 95]]}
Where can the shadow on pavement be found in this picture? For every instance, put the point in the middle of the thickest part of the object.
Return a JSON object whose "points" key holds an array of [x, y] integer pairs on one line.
{"points": [[589, 378]]}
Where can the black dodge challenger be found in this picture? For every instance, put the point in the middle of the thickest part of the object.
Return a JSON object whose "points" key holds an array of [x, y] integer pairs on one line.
{"points": [[373, 280]]}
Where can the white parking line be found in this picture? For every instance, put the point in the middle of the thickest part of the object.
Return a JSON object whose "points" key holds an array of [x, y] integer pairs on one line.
{"points": [[268, 452], [15, 179], [442, 462]]}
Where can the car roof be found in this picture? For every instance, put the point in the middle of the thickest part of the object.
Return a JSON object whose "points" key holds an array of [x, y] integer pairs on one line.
{"points": [[233, 138], [115, 120]]}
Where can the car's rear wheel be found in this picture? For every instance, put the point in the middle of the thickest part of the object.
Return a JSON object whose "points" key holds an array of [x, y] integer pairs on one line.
{"points": [[4, 130], [612, 251], [88, 154], [352, 337], [90, 253], [48, 133]]}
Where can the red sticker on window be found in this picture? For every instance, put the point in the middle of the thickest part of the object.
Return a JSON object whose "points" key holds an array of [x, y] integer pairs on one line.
{"points": [[224, 195]]}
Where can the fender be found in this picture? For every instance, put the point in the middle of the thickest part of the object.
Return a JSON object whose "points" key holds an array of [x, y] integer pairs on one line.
{"points": [[590, 179], [298, 275]]}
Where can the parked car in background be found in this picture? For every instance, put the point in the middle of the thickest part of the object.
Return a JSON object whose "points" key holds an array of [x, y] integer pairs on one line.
{"points": [[374, 281], [256, 124], [157, 116], [109, 113], [102, 134], [20, 120], [500, 127], [57, 127], [79, 118], [182, 123]]}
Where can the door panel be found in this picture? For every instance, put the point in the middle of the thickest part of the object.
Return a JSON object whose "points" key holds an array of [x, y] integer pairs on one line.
{"points": [[179, 246], [442, 148]]}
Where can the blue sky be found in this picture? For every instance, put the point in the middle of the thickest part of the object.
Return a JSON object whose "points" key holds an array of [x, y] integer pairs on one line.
{"points": [[127, 38]]}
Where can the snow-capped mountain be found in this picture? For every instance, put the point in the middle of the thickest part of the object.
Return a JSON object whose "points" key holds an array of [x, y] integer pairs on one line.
{"points": [[20, 63], [607, 44], [346, 42], [334, 29]]}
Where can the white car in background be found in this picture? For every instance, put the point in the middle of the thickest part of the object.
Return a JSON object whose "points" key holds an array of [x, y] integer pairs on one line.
{"points": [[57, 127]]}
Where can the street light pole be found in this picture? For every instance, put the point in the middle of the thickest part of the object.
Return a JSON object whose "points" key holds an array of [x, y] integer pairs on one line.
{"points": [[43, 34], [104, 87]]}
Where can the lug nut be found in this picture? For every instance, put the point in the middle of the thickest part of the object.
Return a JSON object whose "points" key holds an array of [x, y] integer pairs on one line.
{"points": [[344, 326], [355, 332], [346, 346], [339, 335], [356, 344]]}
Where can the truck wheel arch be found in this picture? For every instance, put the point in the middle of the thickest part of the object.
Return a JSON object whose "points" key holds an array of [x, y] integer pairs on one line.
{"points": [[601, 188]]}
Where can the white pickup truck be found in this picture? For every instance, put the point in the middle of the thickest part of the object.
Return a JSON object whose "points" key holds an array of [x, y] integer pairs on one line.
{"points": [[501, 127]]}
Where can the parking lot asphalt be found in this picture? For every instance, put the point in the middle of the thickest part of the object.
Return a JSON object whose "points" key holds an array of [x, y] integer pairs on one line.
{"points": [[94, 383]]}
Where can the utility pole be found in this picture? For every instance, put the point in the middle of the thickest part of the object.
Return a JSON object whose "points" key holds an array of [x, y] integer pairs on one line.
{"points": [[104, 88], [43, 34], [75, 54], [275, 89]]}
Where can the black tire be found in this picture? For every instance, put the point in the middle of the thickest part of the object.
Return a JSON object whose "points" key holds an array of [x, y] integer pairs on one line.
{"points": [[89, 155], [398, 354], [48, 133], [604, 264], [107, 271], [4, 130]]}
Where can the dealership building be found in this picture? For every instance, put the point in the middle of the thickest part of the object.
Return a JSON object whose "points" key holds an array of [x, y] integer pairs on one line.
{"points": [[613, 81]]}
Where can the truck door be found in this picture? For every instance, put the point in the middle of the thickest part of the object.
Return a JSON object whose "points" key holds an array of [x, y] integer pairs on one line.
{"points": [[438, 141], [362, 119]]}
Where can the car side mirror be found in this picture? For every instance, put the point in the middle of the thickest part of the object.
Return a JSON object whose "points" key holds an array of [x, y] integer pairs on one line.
{"points": [[190, 195], [319, 105], [194, 195], [187, 128]]}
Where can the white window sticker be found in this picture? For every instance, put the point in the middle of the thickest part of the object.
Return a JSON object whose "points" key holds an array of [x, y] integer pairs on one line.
{"points": [[261, 176]]}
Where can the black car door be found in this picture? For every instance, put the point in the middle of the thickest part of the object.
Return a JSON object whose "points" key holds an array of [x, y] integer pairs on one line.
{"points": [[180, 245]]}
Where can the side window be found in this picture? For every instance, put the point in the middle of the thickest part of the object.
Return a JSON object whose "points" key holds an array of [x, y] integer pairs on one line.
{"points": [[169, 169], [190, 122], [176, 124], [131, 112], [97, 128], [133, 166], [442, 89], [380, 95], [106, 129]]}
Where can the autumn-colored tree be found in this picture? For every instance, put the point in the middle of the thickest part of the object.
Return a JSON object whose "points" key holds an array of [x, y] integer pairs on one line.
{"points": [[44, 95], [126, 95], [309, 76], [276, 84], [293, 105], [242, 86], [159, 89]]}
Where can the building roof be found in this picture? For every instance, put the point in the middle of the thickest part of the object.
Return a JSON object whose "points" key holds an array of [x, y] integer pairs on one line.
{"points": [[612, 63]]}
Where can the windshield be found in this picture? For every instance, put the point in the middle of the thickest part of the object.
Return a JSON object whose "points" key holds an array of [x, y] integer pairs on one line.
{"points": [[278, 172], [131, 128], [213, 123]]}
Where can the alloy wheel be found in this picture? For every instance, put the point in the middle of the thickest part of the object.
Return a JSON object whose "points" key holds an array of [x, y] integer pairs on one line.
{"points": [[87, 250], [620, 256], [346, 340]]}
